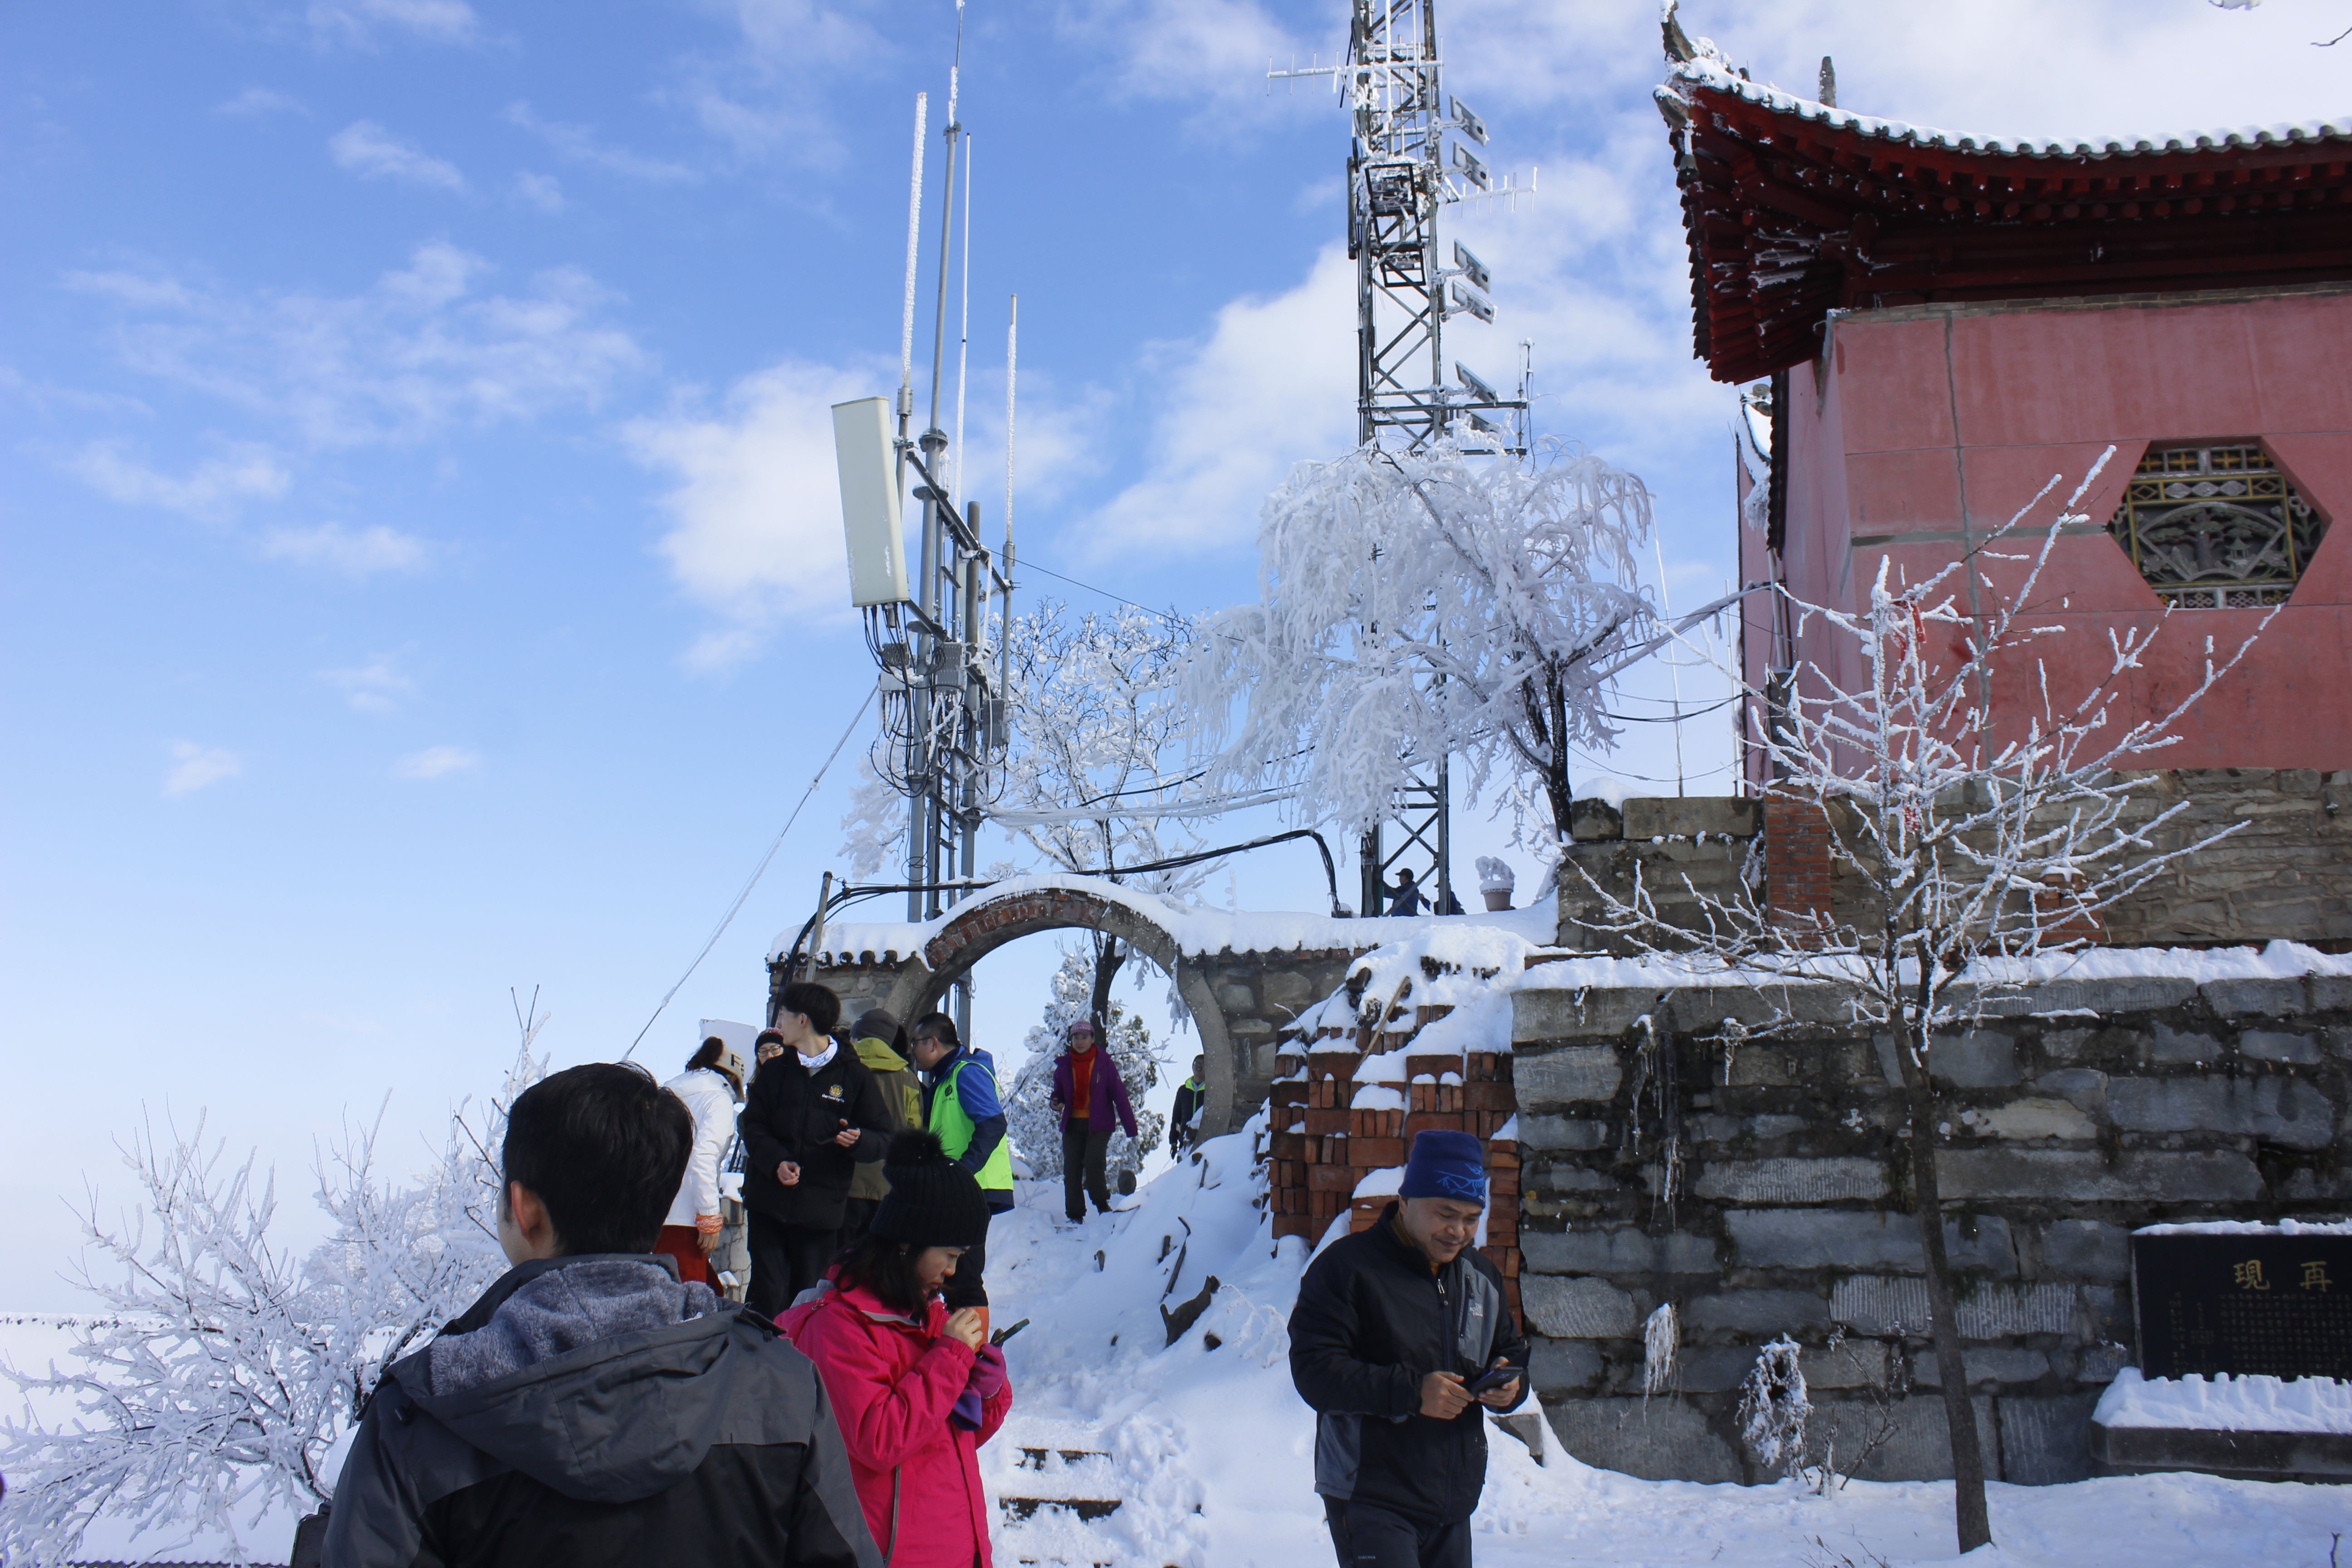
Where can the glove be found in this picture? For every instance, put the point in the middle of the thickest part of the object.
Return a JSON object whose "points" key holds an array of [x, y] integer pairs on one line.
{"points": [[984, 1383]]}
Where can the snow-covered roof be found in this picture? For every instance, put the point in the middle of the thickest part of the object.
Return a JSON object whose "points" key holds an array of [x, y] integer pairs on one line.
{"points": [[1197, 929], [1714, 76]]}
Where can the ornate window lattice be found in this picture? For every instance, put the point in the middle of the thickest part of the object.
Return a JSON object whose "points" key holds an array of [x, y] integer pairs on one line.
{"points": [[2216, 527]]}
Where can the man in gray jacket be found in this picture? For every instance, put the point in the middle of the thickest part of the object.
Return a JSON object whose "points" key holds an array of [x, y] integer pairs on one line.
{"points": [[591, 1409]]}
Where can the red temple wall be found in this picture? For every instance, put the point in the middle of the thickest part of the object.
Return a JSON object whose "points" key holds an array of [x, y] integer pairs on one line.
{"points": [[1926, 427]]}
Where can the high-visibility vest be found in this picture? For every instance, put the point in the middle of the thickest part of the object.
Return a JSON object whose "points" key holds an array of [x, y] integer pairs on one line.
{"points": [[955, 1128]]}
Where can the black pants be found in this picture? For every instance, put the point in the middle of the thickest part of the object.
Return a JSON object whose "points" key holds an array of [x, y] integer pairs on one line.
{"points": [[1084, 1152], [1368, 1536], [968, 1286], [786, 1259]]}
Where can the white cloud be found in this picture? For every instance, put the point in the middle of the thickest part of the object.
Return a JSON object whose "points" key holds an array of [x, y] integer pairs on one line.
{"points": [[435, 761], [213, 488], [580, 145], [375, 686], [1212, 53], [755, 519], [368, 149], [353, 552], [540, 191], [193, 767], [256, 101], [354, 22], [1273, 385], [423, 350], [768, 94]]}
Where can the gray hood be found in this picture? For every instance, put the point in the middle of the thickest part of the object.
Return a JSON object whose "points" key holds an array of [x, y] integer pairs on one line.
{"points": [[601, 1376]]}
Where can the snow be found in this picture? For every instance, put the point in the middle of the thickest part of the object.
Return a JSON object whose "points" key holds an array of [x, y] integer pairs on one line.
{"points": [[1197, 929], [1718, 77], [1381, 1184], [2227, 1403], [2251, 1227]]}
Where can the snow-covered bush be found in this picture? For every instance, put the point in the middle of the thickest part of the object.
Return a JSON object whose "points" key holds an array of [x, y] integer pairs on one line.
{"points": [[226, 1371], [1774, 1406], [1035, 1125]]}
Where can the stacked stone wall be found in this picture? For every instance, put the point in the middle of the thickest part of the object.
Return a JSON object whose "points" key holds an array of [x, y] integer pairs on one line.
{"points": [[2073, 1115]]}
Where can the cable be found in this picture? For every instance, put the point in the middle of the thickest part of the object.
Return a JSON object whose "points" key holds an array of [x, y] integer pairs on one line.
{"points": [[757, 872], [1115, 598]]}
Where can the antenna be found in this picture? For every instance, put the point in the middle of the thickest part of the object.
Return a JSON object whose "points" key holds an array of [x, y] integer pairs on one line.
{"points": [[914, 229]]}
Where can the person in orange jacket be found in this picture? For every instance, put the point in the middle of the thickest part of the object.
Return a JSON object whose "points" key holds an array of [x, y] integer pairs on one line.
{"points": [[917, 1389]]}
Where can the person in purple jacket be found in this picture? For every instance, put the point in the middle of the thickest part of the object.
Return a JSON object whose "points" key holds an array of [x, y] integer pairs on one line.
{"points": [[1087, 1088]]}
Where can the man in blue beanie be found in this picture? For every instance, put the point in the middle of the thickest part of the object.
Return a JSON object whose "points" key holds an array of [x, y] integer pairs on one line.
{"points": [[1396, 1329]]}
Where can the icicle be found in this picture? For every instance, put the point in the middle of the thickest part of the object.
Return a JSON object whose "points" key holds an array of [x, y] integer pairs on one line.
{"points": [[1661, 1338]]}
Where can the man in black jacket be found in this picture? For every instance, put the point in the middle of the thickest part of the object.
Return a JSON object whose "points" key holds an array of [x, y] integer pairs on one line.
{"points": [[590, 1409], [1394, 1327], [814, 1115]]}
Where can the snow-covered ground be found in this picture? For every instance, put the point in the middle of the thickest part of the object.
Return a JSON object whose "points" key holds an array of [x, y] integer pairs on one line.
{"points": [[1206, 1452]]}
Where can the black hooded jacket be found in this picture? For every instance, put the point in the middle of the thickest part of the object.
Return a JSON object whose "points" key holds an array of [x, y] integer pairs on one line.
{"points": [[792, 1114], [1372, 1320], [591, 1411]]}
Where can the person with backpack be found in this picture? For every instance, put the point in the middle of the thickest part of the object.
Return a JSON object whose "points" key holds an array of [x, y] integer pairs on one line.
{"points": [[1184, 1118], [918, 1388], [881, 1044], [592, 1409], [1400, 1340], [814, 1115], [1088, 1089], [691, 1230], [966, 1113]]}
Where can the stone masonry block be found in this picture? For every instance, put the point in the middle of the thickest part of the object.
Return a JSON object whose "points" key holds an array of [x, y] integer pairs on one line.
{"points": [[1980, 1058], [1861, 1239], [2033, 1118], [2277, 1110], [2085, 1089], [2184, 1046], [1577, 1309], [2271, 998], [2276, 1046], [1991, 1364], [1560, 1132], [1756, 1313], [1712, 1369], [2085, 1176], [1570, 1014], [1655, 1439], [1918, 1448], [1576, 1074], [1791, 1181], [1617, 1249], [1591, 819], [2135, 993], [1684, 817], [1235, 997], [2331, 993], [2086, 1249], [1561, 1366], [2045, 1442], [1881, 1304], [1289, 990]]}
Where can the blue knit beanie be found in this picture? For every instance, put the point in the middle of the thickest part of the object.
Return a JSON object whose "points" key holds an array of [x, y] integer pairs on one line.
{"points": [[1446, 1165]]}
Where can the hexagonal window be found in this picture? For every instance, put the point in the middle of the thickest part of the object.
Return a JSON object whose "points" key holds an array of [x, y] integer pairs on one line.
{"points": [[2215, 525]]}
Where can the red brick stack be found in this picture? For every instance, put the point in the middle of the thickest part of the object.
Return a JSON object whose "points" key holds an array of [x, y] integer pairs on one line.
{"points": [[1324, 1144]]}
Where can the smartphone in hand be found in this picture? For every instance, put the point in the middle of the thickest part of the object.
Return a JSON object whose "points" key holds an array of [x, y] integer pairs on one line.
{"points": [[1494, 1378], [1001, 1335]]}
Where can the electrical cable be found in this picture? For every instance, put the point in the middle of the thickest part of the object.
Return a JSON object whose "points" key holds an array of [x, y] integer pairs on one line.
{"points": [[757, 872]]}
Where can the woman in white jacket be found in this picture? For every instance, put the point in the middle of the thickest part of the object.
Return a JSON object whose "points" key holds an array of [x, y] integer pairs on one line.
{"points": [[691, 1228]]}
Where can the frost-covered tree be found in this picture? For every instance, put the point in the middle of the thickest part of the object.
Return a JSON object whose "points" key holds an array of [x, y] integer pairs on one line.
{"points": [[1035, 1125], [226, 1369], [1087, 786], [1981, 821], [1417, 605], [874, 830]]}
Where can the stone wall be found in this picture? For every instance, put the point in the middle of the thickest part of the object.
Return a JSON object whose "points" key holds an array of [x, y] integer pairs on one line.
{"points": [[2074, 1115], [2285, 874]]}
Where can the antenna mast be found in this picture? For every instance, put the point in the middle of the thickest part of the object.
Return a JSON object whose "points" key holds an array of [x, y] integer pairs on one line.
{"points": [[1398, 178]]}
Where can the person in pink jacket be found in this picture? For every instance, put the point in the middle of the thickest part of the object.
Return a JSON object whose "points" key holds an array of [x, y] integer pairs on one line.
{"points": [[917, 1389]]}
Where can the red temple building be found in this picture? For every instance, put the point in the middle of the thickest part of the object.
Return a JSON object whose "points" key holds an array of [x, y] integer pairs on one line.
{"points": [[1945, 323]]}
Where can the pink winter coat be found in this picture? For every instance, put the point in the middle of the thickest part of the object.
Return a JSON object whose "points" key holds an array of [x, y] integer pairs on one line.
{"points": [[893, 1385]]}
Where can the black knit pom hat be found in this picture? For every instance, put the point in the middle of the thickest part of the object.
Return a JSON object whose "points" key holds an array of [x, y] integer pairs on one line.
{"points": [[931, 1202]]}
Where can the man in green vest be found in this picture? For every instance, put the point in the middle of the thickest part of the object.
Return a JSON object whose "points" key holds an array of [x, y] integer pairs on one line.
{"points": [[969, 1118]]}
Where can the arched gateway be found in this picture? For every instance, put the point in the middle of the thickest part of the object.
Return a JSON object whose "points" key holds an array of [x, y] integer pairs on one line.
{"points": [[1238, 999]]}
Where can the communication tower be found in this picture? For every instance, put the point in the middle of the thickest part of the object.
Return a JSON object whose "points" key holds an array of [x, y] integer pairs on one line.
{"points": [[1413, 151]]}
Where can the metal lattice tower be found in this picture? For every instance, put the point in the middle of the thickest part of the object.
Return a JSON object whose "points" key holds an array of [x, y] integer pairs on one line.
{"points": [[1398, 178]]}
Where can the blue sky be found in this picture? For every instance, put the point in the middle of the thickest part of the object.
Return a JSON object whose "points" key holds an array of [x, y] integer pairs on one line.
{"points": [[421, 572]]}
